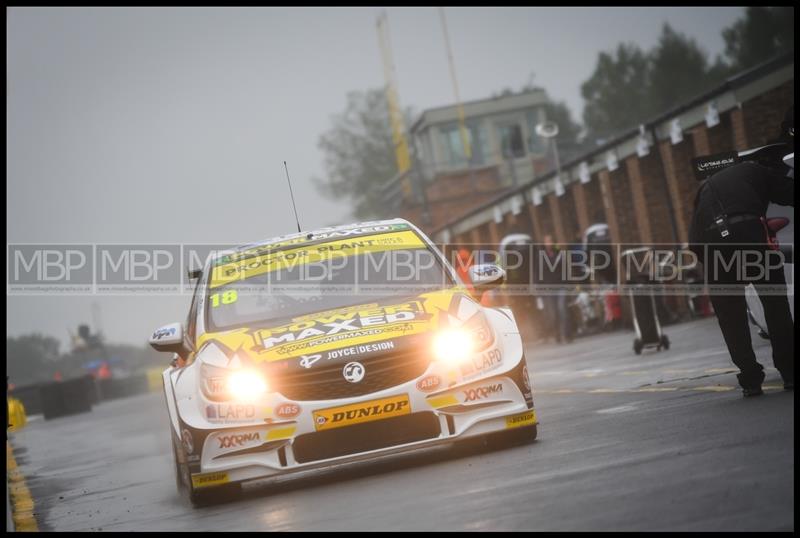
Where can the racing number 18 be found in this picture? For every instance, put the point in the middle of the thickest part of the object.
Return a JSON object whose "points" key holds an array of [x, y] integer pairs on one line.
{"points": [[228, 297]]}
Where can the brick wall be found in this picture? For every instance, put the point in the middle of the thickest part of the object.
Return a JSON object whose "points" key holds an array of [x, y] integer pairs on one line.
{"points": [[656, 196], [623, 205], [451, 196], [569, 214], [680, 178], [594, 200], [763, 114], [579, 196], [545, 218], [632, 200]]}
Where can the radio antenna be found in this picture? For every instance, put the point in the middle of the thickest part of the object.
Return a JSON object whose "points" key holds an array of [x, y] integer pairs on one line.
{"points": [[292, 195]]}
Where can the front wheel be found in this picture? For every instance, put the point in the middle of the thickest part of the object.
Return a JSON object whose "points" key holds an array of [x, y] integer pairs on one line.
{"points": [[637, 346], [177, 467]]}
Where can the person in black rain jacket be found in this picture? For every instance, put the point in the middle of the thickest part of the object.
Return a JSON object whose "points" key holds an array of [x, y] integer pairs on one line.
{"points": [[729, 219]]}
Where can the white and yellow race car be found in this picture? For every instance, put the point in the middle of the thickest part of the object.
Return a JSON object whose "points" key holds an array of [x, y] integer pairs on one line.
{"points": [[332, 346]]}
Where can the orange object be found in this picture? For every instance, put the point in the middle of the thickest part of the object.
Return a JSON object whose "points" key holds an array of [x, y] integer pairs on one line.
{"points": [[104, 372], [487, 298], [613, 307], [463, 263]]}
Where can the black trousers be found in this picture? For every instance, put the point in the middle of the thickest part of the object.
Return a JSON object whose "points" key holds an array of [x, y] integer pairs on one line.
{"points": [[727, 280]]}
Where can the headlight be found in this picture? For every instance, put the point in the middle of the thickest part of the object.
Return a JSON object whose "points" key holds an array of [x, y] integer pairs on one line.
{"points": [[246, 384], [456, 344], [219, 382], [453, 345]]}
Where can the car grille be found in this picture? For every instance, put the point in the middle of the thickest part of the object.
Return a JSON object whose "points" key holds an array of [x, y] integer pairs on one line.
{"points": [[327, 382], [365, 437]]}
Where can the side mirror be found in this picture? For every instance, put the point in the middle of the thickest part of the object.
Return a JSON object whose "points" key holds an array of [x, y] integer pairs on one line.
{"points": [[486, 276], [168, 338], [194, 274]]}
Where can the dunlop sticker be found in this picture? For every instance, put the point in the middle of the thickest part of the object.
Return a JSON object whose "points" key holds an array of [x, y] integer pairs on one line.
{"points": [[209, 479], [347, 415], [523, 419]]}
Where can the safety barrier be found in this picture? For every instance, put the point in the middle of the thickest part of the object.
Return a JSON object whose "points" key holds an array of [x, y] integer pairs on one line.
{"points": [[59, 398], [62, 398], [30, 397]]}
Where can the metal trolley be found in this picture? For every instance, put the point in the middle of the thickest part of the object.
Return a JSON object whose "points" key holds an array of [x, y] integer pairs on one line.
{"points": [[643, 306]]}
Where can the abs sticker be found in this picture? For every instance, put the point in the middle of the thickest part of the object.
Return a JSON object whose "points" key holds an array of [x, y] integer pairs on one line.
{"points": [[209, 479], [528, 418], [429, 383], [287, 410]]}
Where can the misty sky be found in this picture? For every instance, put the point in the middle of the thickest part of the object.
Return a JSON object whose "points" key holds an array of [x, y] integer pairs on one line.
{"points": [[171, 125]]}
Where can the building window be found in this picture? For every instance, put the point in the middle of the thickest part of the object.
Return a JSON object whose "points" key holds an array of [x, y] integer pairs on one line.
{"points": [[478, 142], [455, 146], [511, 140]]}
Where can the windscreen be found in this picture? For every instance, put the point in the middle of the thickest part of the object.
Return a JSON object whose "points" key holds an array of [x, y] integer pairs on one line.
{"points": [[325, 276]]}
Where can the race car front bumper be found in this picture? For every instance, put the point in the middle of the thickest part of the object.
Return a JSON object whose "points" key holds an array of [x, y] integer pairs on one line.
{"points": [[325, 433]]}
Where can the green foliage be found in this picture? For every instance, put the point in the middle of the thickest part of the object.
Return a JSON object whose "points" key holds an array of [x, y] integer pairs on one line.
{"points": [[359, 153], [616, 94], [631, 86], [679, 70], [560, 113], [763, 33]]}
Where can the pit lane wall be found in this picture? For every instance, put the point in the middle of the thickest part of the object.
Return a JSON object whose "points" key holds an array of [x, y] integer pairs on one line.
{"points": [[60, 398]]}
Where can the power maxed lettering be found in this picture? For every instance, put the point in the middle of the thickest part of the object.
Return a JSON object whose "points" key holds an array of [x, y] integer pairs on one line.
{"points": [[345, 322]]}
